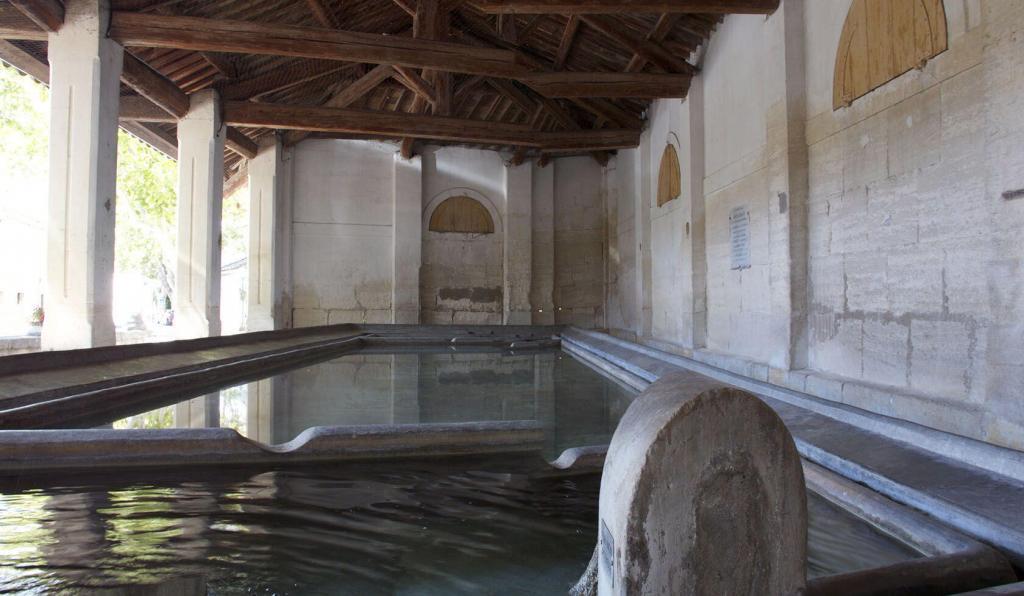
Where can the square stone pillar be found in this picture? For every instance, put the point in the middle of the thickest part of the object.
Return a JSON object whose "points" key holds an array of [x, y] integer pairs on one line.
{"points": [[85, 71], [408, 240], [270, 212], [200, 197], [542, 216], [518, 250]]}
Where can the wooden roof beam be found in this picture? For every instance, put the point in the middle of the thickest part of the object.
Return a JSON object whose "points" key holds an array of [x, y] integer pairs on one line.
{"points": [[216, 35], [608, 84], [396, 124], [626, 6], [47, 14]]}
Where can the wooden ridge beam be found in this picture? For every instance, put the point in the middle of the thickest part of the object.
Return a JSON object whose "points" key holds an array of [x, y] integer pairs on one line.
{"points": [[396, 124], [47, 14], [217, 35], [626, 6]]}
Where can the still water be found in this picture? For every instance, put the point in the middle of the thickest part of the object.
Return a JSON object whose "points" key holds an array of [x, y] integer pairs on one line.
{"points": [[576, 405], [461, 526]]}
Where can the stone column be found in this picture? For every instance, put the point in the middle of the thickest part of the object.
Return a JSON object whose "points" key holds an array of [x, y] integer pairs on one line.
{"points": [[408, 243], [695, 315], [518, 249], [787, 170], [270, 211], [644, 193], [542, 214], [265, 399], [85, 71], [200, 194]]}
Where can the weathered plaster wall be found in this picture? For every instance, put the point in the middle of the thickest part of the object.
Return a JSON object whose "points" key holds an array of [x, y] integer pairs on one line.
{"points": [[885, 263], [343, 213], [579, 236]]}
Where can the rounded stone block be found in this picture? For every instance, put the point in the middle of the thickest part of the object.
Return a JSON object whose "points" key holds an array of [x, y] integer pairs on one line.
{"points": [[702, 493]]}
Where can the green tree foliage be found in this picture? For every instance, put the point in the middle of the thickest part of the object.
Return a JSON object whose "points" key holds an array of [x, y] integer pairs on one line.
{"points": [[146, 203], [24, 125], [146, 183]]}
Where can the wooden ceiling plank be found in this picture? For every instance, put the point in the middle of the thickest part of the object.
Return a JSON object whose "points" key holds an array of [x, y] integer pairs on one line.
{"points": [[280, 79], [626, 6], [15, 25], [47, 14]]}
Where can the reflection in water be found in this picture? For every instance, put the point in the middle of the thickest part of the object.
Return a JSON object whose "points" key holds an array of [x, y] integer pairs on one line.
{"points": [[576, 405], [470, 525]]}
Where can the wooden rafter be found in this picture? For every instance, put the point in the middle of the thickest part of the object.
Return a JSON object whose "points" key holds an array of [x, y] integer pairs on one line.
{"points": [[280, 79], [626, 6], [648, 49], [565, 44], [323, 14], [347, 96], [236, 141]]}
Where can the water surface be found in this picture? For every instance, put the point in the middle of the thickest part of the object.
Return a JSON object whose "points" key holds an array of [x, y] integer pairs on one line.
{"points": [[462, 526]]}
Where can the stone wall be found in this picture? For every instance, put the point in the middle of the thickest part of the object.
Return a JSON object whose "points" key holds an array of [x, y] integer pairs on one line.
{"points": [[885, 264], [544, 262]]}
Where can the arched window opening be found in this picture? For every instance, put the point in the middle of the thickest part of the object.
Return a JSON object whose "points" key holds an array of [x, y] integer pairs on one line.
{"points": [[669, 178], [883, 39], [461, 215]]}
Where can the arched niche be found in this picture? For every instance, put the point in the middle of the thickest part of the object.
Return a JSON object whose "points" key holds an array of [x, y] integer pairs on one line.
{"points": [[883, 39], [669, 177], [461, 214]]}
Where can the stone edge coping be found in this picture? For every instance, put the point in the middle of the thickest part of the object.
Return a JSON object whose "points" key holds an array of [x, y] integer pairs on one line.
{"points": [[42, 361], [52, 450], [999, 460], [948, 555]]}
